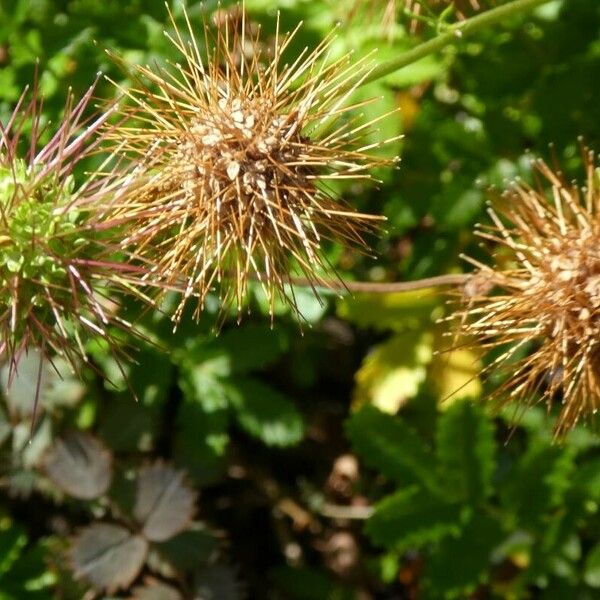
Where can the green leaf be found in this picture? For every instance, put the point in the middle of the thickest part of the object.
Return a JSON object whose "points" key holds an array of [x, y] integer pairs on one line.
{"points": [[265, 413], [310, 307], [466, 452], [201, 379], [201, 441], [587, 479], [253, 346], [538, 483], [151, 377], [474, 546], [207, 366], [412, 518], [385, 443]]}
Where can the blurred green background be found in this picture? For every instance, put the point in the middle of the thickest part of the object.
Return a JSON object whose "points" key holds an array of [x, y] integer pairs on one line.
{"points": [[267, 464]]}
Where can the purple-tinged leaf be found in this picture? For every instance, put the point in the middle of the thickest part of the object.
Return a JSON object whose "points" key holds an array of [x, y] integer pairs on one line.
{"points": [[80, 465], [108, 556], [164, 503]]}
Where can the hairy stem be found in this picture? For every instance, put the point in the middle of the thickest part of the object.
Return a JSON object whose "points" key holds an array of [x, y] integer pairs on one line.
{"points": [[368, 287], [452, 35]]}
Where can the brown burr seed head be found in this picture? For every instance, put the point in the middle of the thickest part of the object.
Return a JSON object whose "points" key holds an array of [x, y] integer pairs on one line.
{"points": [[544, 299], [233, 164]]}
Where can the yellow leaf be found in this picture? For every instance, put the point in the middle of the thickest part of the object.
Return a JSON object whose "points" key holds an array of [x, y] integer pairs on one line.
{"points": [[393, 372], [456, 375]]}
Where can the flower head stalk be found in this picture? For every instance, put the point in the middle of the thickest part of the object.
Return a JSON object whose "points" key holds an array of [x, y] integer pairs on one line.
{"points": [[538, 306], [234, 156]]}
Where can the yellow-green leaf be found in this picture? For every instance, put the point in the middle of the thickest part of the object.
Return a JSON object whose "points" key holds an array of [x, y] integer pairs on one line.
{"points": [[456, 376], [393, 373]]}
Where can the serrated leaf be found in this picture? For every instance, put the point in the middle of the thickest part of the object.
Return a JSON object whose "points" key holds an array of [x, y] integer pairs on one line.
{"points": [[474, 545], [412, 518], [108, 556], [392, 373], [80, 465], [538, 482], [466, 452], [387, 444], [207, 366], [164, 503], [265, 413]]}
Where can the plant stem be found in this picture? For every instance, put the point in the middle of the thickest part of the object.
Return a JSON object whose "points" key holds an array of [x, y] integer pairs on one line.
{"points": [[454, 34], [368, 287]]}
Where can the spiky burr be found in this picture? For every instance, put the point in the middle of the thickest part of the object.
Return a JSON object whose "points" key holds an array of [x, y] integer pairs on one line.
{"points": [[538, 305], [60, 276], [233, 154]]}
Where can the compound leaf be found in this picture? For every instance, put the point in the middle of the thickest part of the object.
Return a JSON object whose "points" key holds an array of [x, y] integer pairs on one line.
{"points": [[164, 503], [80, 465], [108, 556]]}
